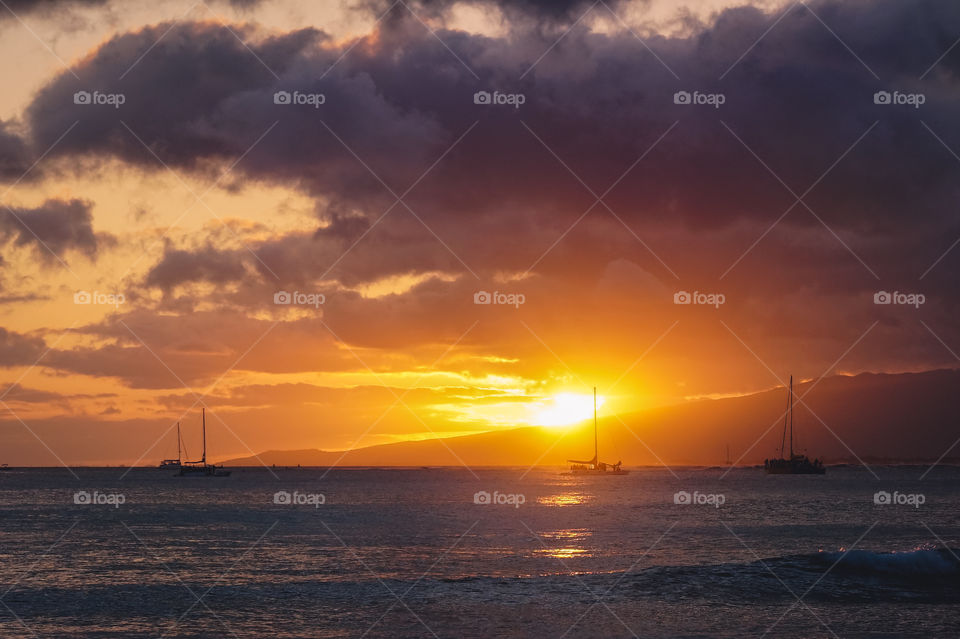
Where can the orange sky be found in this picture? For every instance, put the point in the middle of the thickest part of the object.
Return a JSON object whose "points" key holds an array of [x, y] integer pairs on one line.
{"points": [[589, 212]]}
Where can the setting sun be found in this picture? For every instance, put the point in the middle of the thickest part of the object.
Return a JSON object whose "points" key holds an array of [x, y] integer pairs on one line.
{"points": [[564, 409]]}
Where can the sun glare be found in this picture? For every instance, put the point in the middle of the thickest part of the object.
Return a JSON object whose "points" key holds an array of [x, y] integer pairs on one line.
{"points": [[564, 409]]}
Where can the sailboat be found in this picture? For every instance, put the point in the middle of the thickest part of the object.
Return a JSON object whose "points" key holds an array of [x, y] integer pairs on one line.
{"points": [[795, 464], [168, 464], [595, 466], [202, 468]]}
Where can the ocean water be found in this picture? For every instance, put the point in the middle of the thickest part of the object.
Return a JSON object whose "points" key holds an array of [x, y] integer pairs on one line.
{"points": [[409, 553]]}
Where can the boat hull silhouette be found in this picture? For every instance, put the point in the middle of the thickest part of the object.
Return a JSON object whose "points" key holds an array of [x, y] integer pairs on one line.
{"points": [[799, 465], [206, 470], [596, 471]]}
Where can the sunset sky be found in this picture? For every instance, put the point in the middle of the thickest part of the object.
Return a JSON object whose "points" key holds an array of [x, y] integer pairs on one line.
{"points": [[153, 166]]}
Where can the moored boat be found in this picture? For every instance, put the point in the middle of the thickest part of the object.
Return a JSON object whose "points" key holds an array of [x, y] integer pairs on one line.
{"points": [[795, 464], [595, 466], [169, 464], [201, 468]]}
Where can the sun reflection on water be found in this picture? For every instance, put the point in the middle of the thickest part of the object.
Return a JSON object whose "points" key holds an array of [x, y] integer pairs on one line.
{"points": [[564, 499], [563, 553], [568, 540]]}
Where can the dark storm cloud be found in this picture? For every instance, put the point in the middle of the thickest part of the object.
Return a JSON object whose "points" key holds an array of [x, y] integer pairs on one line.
{"points": [[799, 99], [198, 71], [56, 8], [201, 94], [19, 350], [145, 349], [542, 10], [398, 100], [203, 265], [338, 256], [14, 155], [44, 7], [54, 227], [18, 393]]}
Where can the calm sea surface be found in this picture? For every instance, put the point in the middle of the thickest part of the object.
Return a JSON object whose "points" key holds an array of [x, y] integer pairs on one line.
{"points": [[408, 553]]}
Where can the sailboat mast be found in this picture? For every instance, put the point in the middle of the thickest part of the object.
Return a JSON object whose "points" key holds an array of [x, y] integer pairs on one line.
{"points": [[791, 417], [179, 455], [783, 435], [596, 453], [203, 413]]}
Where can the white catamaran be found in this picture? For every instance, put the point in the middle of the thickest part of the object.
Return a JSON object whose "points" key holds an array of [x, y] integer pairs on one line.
{"points": [[595, 466]]}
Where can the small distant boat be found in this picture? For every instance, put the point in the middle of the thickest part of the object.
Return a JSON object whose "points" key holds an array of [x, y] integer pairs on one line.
{"points": [[595, 466], [169, 464], [795, 464], [202, 468]]}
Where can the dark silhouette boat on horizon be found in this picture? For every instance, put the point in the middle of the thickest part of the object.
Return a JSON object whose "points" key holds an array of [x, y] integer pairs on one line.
{"points": [[794, 464], [595, 466], [171, 464], [201, 468]]}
